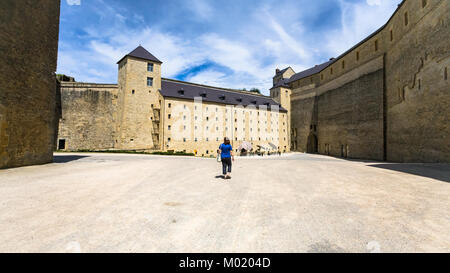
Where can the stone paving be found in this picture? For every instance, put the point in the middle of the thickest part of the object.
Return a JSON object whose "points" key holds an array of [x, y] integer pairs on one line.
{"points": [[292, 203]]}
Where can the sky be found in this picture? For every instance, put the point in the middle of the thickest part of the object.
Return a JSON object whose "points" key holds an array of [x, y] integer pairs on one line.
{"points": [[225, 43]]}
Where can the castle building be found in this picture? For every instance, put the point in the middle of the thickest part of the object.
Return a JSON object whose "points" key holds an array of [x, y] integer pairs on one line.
{"points": [[386, 98], [145, 112]]}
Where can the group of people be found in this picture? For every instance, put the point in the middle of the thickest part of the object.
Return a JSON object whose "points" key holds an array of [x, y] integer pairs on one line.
{"points": [[227, 157]]}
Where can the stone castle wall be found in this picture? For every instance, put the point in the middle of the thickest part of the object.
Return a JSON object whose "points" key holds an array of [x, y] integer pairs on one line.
{"points": [[29, 32], [386, 98], [417, 90], [88, 118], [137, 103]]}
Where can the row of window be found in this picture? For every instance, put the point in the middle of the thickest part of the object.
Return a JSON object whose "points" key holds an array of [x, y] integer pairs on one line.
{"points": [[218, 140]]}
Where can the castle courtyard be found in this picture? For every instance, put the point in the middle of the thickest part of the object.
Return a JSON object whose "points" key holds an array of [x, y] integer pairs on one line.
{"points": [[87, 202]]}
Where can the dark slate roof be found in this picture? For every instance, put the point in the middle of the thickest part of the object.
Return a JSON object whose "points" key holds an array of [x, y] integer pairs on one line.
{"points": [[188, 91], [316, 69], [141, 53], [282, 71], [319, 68], [282, 83], [370, 36]]}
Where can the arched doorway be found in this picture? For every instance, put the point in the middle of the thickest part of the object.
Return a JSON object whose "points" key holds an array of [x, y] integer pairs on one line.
{"points": [[313, 144]]}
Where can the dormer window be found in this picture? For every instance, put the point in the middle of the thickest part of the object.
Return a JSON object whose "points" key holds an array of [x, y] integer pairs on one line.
{"points": [[254, 102], [181, 92], [222, 97], [203, 95], [239, 99]]}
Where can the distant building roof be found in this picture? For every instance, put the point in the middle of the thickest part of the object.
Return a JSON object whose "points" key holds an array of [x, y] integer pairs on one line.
{"points": [[141, 53], [281, 83], [319, 68], [280, 72], [306, 73], [184, 90]]}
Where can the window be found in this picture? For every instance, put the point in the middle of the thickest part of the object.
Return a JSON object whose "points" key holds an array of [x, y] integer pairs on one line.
{"points": [[357, 55], [168, 139], [184, 139], [132, 92], [420, 84], [376, 45], [445, 74], [169, 116], [331, 71], [169, 127], [392, 35], [321, 76], [150, 67], [62, 144], [149, 81], [196, 139], [343, 64], [169, 105], [406, 18], [424, 3]]}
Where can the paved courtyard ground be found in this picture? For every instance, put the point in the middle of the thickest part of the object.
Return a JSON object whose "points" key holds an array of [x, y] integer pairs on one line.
{"points": [[292, 203]]}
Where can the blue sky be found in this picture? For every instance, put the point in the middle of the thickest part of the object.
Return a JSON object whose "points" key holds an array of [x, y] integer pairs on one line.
{"points": [[227, 43]]}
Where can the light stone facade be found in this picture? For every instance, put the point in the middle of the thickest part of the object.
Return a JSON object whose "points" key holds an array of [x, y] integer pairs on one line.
{"points": [[135, 116], [28, 49], [387, 98]]}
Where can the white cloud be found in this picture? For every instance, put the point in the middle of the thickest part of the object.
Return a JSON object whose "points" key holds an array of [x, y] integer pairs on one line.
{"points": [[73, 2], [374, 2], [358, 21], [201, 9], [251, 50]]}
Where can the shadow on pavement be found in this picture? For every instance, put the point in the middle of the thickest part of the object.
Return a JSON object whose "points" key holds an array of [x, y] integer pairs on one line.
{"points": [[66, 158], [436, 171]]}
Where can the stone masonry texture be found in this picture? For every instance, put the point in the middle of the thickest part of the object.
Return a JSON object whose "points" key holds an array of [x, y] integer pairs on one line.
{"points": [[29, 32]]}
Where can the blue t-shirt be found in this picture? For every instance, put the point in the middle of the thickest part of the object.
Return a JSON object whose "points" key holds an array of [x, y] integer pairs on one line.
{"points": [[226, 149]]}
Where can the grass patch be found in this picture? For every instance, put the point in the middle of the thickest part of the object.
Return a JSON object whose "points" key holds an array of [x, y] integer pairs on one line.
{"points": [[129, 152]]}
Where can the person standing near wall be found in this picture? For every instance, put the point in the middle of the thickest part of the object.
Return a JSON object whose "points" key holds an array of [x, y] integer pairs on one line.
{"points": [[226, 154]]}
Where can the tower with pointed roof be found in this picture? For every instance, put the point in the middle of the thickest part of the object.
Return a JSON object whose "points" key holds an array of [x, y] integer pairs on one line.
{"points": [[281, 93], [139, 101]]}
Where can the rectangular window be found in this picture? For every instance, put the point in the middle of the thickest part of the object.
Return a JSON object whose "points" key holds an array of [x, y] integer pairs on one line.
{"points": [[392, 35], [169, 105], [331, 71], [150, 67], [343, 64], [376, 45], [406, 19], [445, 74], [169, 127], [357, 55], [62, 144], [169, 116], [149, 81]]}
